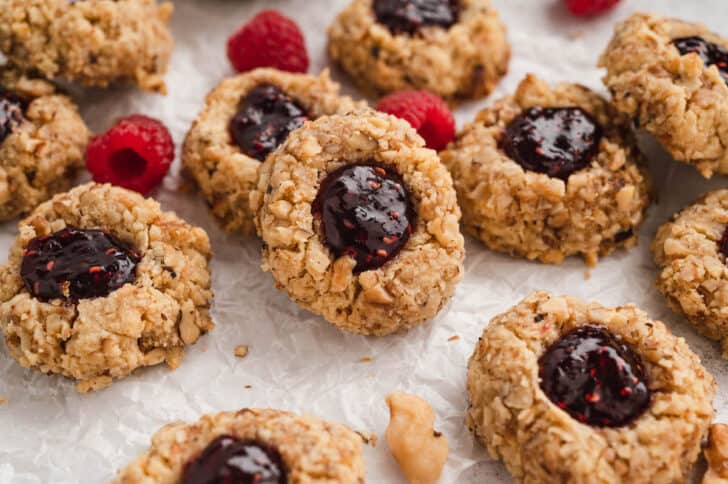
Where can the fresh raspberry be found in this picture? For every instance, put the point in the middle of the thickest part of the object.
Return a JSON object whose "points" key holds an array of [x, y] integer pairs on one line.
{"points": [[426, 112], [136, 153], [268, 40], [589, 7]]}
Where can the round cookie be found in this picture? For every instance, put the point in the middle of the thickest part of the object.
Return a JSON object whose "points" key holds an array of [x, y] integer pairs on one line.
{"points": [[101, 282], [93, 42], [456, 49], [691, 251], [550, 172], [232, 135], [360, 223], [670, 76], [281, 446], [564, 390], [42, 143]]}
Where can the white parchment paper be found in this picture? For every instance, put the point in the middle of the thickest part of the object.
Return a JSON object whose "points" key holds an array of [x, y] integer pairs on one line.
{"points": [[298, 362]]}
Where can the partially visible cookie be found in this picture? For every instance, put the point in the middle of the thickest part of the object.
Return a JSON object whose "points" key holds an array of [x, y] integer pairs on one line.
{"points": [[251, 445], [456, 49], [42, 143], [95, 42], [691, 251], [245, 118], [360, 223], [566, 391], [716, 453], [101, 282], [549, 172], [671, 77]]}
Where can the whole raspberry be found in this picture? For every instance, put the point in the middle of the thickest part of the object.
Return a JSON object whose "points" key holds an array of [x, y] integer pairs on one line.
{"points": [[268, 40], [426, 112], [589, 7], [136, 154]]}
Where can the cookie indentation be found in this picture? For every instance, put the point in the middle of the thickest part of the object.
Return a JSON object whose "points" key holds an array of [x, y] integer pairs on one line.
{"points": [[553, 141], [595, 377], [11, 113], [265, 117], [711, 54], [75, 264], [408, 16], [228, 459], [365, 212]]}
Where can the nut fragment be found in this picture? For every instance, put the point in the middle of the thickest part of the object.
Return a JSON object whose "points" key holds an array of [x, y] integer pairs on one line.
{"points": [[420, 450], [717, 455], [241, 351]]}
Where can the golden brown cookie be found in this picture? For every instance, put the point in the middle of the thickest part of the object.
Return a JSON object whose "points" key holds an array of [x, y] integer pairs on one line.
{"points": [[456, 50], [691, 251], [278, 446], [670, 76], [360, 223], [564, 391], [42, 143], [244, 118], [101, 282], [95, 42], [549, 172]]}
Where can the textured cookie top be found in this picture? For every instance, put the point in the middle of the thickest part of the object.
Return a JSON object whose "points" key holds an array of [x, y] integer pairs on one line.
{"points": [[311, 450], [145, 319]]}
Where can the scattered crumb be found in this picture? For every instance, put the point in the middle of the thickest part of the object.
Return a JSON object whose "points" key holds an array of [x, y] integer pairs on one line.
{"points": [[587, 275], [4, 401], [248, 386], [241, 351], [366, 360], [576, 35], [369, 438], [453, 338]]}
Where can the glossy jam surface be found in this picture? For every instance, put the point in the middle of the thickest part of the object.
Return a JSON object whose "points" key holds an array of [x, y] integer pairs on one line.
{"points": [[365, 212], [228, 460], [11, 113], [595, 377], [554, 141], [408, 16], [711, 54], [76, 264], [265, 118]]}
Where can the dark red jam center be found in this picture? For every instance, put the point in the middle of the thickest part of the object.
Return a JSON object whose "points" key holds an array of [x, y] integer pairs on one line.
{"points": [[265, 118], [365, 212], [723, 244], [228, 460], [554, 141], [711, 54], [408, 16], [11, 113], [76, 264], [595, 377]]}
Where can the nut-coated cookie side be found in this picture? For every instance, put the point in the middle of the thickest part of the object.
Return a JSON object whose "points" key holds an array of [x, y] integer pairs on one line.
{"points": [[541, 443]]}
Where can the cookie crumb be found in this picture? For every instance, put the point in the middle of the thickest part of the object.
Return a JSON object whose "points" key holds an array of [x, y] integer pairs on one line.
{"points": [[369, 438], [717, 455], [576, 35], [453, 338], [420, 450], [4, 401], [248, 387], [366, 360], [241, 351], [587, 275], [93, 384]]}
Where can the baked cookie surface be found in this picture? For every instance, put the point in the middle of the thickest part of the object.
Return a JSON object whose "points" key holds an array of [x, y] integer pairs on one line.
{"points": [[95, 42], [690, 251], [245, 118], [42, 143], [101, 282], [453, 49], [564, 390], [549, 172], [670, 76], [280, 446], [360, 223]]}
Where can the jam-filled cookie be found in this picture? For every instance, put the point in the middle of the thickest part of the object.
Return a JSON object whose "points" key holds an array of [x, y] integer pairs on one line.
{"points": [[691, 251], [42, 143], [101, 282], [564, 390], [95, 42], [672, 78], [360, 223], [550, 172], [453, 48], [251, 445], [244, 119]]}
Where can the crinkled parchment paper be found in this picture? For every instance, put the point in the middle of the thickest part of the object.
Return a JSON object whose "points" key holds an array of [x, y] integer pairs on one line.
{"points": [[49, 433]]}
